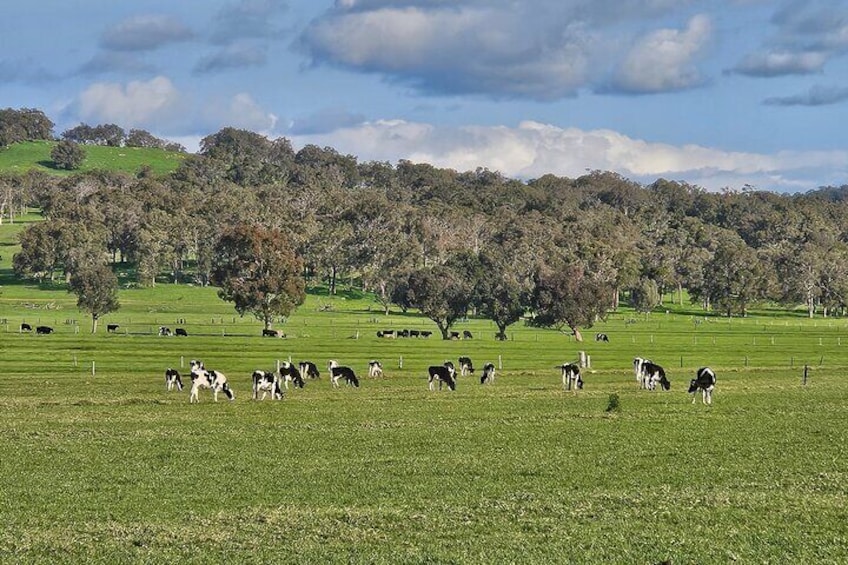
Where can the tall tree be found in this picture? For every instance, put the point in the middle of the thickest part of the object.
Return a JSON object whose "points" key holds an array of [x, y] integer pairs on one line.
{"points": [[569, 297], [67, 155], [96, 287], [259, 272], [441, 294]]}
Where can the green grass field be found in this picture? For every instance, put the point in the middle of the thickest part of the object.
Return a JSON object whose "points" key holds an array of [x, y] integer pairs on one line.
{"points": [[101, 464], [21, 157]]}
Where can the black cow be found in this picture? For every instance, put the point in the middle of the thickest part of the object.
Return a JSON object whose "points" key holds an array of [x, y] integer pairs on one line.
{"points": [[571, 377], [426, 333], [488, 374], [172, 379], [26, 327], [705, 381], [180, 332], [290, 374], [273, 333], [339, 372], [44, 330], [112, 328], [266, 381], [454, 335], [465, 366], [467, 335], [443, 374], [653, 374]]}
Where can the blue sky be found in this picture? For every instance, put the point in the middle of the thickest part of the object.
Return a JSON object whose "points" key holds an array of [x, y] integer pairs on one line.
{"points": [[720, 93]]}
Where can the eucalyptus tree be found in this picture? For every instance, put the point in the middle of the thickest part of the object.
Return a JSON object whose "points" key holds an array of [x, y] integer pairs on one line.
{"points": [[569, 296], [96, 288]]}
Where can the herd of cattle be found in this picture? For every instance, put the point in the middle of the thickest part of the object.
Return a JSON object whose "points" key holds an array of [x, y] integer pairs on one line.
{"points": [[648, 376]]}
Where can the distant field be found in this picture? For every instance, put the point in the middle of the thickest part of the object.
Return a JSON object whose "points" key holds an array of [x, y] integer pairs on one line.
{"points": [[101, 464], [22, 157]]}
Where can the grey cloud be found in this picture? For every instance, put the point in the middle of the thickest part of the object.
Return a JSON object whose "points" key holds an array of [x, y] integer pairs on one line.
{"points": [[232, 57], [24, 71], [780, 63], [144, 33], [817, 96], [114, 62], [325, 121], [248, 19]]}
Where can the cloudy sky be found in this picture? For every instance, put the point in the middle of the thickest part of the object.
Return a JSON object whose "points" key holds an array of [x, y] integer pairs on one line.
{"points": [[719, 93]]}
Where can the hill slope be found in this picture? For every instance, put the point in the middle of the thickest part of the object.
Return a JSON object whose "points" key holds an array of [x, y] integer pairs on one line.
{"points": [[21, 157]]}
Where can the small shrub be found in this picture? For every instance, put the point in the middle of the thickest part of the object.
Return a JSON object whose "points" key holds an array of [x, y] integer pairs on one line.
{"points": [[613, 404]]}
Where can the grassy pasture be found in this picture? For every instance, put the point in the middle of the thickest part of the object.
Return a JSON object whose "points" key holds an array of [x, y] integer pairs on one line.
{"points": [[109, 467]]}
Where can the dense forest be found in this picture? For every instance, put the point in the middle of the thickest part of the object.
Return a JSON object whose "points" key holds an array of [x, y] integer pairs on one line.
{"points": [[443, 241]]}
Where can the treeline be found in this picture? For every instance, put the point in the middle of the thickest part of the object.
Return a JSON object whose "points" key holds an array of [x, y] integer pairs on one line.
{"points": [[565, 249]]}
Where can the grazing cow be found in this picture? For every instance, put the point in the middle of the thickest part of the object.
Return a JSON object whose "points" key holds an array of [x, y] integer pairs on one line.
{"points": [[375, 369], [309, 370], [414, 333], [488, 374], [273, 333], [339, 372], [266, 381], [290, 374], [26, 327], [390, 334], [403, 333], [112, 328], [180, 332], [571, 376], [705, 381], [467, 335], [426, 333], [443, 374], [638, 369], [654, 374], [465, 366], [454, 335], [163, 331], [214, 380], [602, 337], [44, 330], [172, 379]]}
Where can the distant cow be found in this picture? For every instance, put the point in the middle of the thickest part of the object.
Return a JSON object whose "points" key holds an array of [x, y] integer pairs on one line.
{"points": [[488, 374], [375, 369], [443, 374], [414, 333], [338, 372], [309, 370], [654, 374], [426, 333], [164, 331], [571, 377], [172, 379], [454, 335], [386, 333], [465, 366], [26, 327], [601, 337], [467, 335], [44, 330], [273, 333], [290, 374], [180, 332], [112, 328], [266, 381], [705, 381]]}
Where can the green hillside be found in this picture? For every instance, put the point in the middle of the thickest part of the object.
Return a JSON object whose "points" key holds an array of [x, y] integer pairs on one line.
{"points": [[21, 157]]}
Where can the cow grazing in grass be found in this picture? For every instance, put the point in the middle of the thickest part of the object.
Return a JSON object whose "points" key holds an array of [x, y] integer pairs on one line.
{"points": [[26, 327], [112, 328], [467, 335], [466, 367], [375, 369], [638, 369], [443, 374], [309, 370], [173, 379], [290, 374], [426, 333], [653, 374], [164, 331], [571, 376], [43, 330], [339, 372], [488, 374], [602, 337], [705, 381], [216, 381], [273, 333], [180, 332], [266, 382]]}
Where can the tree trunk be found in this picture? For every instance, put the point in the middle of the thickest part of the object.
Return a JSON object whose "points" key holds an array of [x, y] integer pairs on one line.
{"points": [[332, 291], [680, 293], [94, 323]]}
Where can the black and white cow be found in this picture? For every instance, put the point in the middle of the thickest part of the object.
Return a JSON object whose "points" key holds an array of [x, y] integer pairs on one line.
{"points": [[443, 374], [705, 381], [309, 370], [375, 369], [267, 382], [654, 374], [26, 327], [291, 374], [164, 331], [467, 335], [638, 369], [571, 376], [214, 380], [488, 374], [112, 328], [180, 332], [43, 330], [466, 367], [172, 379], [602, 337], [338, 372], [273, 333]]}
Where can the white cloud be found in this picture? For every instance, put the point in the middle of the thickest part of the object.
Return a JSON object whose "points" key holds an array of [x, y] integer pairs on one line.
{"points": [[144, 33], [533, 149], [241, 111], [664, 59], [136, 104], [781, 62]]}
